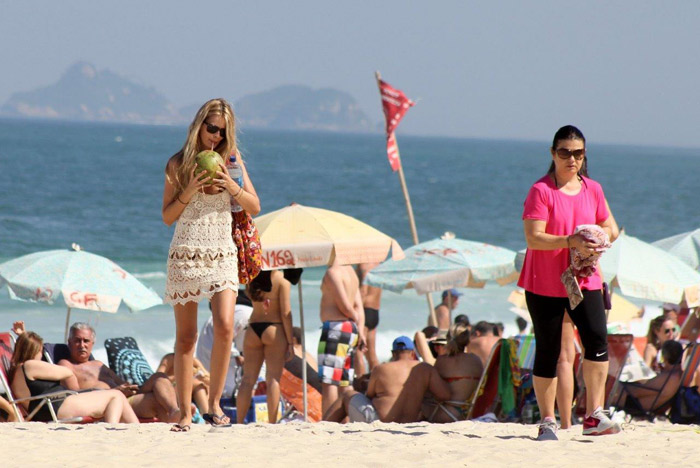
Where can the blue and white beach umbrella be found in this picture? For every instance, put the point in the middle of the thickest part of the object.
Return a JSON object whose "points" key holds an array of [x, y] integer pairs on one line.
{"points": [[443, 264], [84, 280], [645, 271], [685, 246]]}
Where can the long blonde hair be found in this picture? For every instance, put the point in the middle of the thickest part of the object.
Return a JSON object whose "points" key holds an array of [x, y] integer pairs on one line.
{"points": [[226, 147]]}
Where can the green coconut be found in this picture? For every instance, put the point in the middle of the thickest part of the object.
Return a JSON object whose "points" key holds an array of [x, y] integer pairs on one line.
{"points": [[208, 161]]}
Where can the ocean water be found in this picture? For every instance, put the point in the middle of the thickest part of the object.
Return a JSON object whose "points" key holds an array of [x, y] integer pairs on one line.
{"points": [[100, 185]]}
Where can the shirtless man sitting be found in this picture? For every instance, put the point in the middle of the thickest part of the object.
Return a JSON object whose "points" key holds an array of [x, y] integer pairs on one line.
{"points": [[155, 398], [343, 330], [395, 391], [482, 340]]}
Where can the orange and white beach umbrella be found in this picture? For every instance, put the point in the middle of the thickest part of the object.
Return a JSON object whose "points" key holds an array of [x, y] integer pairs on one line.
{"points": [[299, 236]]}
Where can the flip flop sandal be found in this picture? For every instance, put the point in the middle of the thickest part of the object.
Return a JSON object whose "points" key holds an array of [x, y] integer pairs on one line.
{"points": [[216, 420], [180, 428]]}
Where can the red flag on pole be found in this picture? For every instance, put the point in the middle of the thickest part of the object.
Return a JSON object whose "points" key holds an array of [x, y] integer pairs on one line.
{"points": [[395, 104], [392, 151]]}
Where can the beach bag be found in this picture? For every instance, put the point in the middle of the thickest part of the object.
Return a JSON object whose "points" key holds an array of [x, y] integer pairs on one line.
{"points": [[247, 239], [686, 406]]}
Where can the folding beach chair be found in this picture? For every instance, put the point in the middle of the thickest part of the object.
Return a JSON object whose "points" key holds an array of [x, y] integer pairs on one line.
{"points": [[618, 349], [481, 393], [6, 349], [485, 392], [292, 390], [690, 366], [691, 327], [55, 352], [502, 365]]}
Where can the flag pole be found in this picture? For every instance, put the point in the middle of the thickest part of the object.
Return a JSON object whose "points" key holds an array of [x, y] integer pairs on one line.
{"points": [[409, 208]]}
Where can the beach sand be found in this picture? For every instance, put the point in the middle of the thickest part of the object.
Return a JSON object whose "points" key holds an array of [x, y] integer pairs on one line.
{"points": [[328, 444]]}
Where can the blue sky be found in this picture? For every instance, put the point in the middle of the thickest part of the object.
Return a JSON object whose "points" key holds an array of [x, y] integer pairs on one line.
{"points": [[623, 71]]}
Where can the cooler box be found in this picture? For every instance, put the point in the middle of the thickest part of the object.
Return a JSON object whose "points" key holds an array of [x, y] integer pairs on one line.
{"points": [[256, 413]]}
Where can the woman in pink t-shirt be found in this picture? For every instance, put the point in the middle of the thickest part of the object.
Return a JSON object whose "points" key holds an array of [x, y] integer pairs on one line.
{"points": [[561, 200]]}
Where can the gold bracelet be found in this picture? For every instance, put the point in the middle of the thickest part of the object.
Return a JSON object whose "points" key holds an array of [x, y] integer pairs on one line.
{"points": [[240, 190]]}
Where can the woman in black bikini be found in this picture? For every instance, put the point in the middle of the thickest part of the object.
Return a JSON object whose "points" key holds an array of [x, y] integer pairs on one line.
{"points": [[30, 376], [268, 338]]}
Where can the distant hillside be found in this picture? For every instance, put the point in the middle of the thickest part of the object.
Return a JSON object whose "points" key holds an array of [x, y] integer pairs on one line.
{"points": [[85, 93], [295, 107]]}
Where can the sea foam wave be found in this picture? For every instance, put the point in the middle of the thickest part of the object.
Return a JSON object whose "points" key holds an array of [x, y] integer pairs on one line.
{"points": [[150, 275]]}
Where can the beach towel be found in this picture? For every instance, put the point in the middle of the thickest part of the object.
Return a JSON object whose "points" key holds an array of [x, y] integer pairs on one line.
{"points": [[127, 361], [583, 265], [508, 376]]}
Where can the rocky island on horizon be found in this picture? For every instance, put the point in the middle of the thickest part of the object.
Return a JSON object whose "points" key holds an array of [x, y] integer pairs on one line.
{"points": [[84, 93]]}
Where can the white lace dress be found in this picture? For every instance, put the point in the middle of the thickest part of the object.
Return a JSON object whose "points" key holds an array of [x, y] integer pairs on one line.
{"points": [[202, 259]]}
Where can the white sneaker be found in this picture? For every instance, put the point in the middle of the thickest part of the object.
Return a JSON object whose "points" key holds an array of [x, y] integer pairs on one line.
{"points": [[599, 423], [547, 430]]}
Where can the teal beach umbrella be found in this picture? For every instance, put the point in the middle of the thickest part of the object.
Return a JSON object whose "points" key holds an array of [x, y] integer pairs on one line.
{"points": [[84, 281], [685, 246], [645, 271], [443, 264]]}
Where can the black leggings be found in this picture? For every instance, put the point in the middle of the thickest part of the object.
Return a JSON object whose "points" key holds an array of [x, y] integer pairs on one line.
{"points": [[547, 315]]}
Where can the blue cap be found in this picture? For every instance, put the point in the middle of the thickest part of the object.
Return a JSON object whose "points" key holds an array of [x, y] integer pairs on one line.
{"points": [[452, 291], [402, 343]]}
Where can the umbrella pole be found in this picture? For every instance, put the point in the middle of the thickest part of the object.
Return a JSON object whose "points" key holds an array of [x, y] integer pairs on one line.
{"points": [[431, 310], [409, 209], [65, 334], [303, 351]]}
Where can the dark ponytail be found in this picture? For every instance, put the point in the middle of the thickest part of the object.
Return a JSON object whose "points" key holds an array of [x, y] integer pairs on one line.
{"points": [[257, 288]]}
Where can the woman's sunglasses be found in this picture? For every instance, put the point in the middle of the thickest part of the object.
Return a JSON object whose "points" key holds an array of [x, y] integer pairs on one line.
{"points": [[214, 129], [668, 330], [564, 153]]}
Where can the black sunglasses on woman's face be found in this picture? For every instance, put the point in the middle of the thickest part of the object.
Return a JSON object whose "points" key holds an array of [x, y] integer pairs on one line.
{"points": [[564, 153], [213, 129]]}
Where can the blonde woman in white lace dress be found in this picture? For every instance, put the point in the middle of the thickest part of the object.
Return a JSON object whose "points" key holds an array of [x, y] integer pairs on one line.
{"points": [[202, 261]]}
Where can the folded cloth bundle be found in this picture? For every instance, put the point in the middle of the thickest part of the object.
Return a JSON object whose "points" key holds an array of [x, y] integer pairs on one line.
{"points": [[583, 264]]}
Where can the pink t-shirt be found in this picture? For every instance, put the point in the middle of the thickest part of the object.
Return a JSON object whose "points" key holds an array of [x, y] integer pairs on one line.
{"points": [[542, 268]]}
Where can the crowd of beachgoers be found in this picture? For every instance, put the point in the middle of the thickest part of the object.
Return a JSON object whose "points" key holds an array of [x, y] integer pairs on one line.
{"points": [[432, 376]]}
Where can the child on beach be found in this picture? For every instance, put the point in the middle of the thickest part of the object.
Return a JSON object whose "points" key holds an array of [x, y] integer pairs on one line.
{"points": [[202, 260]]}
